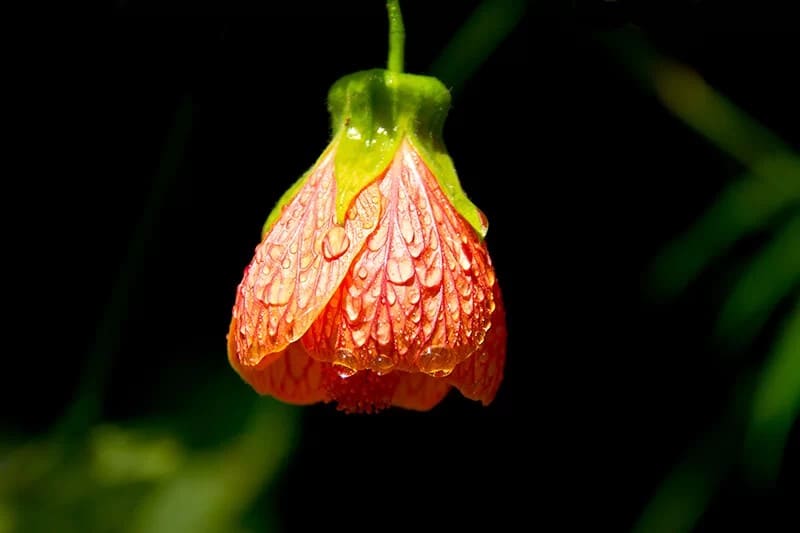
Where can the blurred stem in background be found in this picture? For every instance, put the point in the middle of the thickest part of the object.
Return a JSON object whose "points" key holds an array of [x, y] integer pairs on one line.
{"points": [[85, 410], [761, 415], [477, 38]]}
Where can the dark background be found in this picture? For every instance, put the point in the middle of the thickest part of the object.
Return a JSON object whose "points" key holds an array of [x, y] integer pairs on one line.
{"points": [[582, 175]]}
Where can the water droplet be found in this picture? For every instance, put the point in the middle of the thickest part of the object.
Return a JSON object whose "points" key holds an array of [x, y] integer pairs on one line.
{"points": [[463, 286], [359, 336], [279, 293], [464, 257], [335, 243], [306, 259], [391, 297], [378, 238], [437, 361], [399, 269], [344, 363], [451, 301], [484, 221], [432, 277], [362, 273], [276, 252], [286, 262], [437, 213], [406, 229], [375, 291], [383, 332], [293, 248], [352, 307], [273, 325], [412, 294], [466, 306], [382, 364], [490, 278]]}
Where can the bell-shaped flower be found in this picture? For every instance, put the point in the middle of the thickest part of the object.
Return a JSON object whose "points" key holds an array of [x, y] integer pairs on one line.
{"points": [[372, 285]]}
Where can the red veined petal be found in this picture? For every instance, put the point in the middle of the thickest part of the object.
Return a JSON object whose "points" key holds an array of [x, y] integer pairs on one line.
{"points": [[420, 392], [298, 266], [479, 377], [419, 297], [293, 378]]}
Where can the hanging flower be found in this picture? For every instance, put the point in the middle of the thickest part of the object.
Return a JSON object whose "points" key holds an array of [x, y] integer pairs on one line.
{"points": [[372, 285]]}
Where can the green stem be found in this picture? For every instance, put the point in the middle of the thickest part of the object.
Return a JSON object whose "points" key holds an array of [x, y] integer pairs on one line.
{"points": [[397, 36]]}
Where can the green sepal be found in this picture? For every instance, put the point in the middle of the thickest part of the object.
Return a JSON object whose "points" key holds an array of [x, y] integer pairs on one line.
{"points": [[371, 112]]}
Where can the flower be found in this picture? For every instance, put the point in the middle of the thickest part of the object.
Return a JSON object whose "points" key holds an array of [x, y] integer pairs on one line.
{"points": [[372, 285]]}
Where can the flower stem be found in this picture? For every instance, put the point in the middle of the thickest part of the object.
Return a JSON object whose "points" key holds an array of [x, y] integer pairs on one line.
{"points": [[397, 36]]}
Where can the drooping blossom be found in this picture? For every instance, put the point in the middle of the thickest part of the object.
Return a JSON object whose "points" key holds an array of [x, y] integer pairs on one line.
{"points": [[372, 285]]}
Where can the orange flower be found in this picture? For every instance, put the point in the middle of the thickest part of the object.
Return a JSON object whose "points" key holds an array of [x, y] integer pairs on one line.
{"points": [[391, 300]]}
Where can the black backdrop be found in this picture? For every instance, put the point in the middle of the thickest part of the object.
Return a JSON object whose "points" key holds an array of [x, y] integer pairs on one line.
{"points": [[582, 175]]}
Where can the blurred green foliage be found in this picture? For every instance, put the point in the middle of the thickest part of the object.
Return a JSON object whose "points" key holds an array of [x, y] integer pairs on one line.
{"points": [[145, 477], [766, 198], [198, 468]]}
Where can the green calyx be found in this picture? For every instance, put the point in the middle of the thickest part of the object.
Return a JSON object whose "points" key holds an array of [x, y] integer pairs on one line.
{"points": [[371, 113]]}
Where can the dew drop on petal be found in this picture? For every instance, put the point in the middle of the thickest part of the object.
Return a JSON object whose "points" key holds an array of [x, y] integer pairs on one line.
{"points": [[359, 336], [306, 259], [412, 294], [432, 277], [437, 361], [383, 364], [352, 307], [484, 221], [490, 278], [362, 273], [286, 263], [273, 325], [344, 363], [406, 229], [378, 238], [399, 269], [464, 257], [391, 296], [466, 306], [276, 252], [451, 301], [335, 243], [279, 293], [383, 332]]}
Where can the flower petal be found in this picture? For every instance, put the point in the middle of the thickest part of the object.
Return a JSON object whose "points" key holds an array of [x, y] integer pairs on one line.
{"points": [[419, 297], [479, 377], [419, 391], [293, 378], [361, 392], [298, 266]]}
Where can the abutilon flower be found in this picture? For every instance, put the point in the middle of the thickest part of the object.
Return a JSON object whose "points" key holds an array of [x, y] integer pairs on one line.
{"points": [[372, 285]]}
